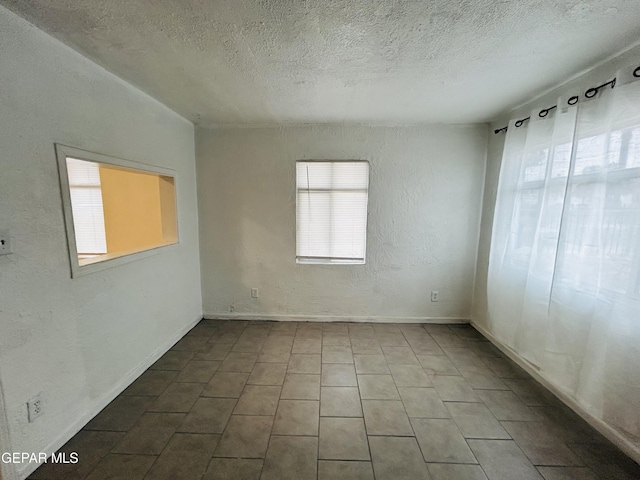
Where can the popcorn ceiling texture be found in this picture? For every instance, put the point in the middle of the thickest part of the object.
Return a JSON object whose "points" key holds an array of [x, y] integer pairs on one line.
{"points": [[337, 61]]}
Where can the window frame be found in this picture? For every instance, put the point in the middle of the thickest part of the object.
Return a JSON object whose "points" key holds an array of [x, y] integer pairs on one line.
{"points": [[311, 260], [77, 270]]}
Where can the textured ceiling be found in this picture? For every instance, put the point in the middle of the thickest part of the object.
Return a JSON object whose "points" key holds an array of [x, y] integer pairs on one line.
{"points": [[340, 61]]}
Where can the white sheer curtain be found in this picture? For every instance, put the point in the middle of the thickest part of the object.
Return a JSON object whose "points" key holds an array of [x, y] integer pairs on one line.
{"points": [[564, 270]]}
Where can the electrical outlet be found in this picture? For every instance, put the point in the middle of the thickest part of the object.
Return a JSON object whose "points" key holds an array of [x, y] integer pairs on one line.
{"points": [[5, 242], [231, 308], [435, 296], [35, 408], [254, 293]]}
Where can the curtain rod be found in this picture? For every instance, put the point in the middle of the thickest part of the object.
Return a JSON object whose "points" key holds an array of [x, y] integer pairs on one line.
{"points": [[592, 92]]}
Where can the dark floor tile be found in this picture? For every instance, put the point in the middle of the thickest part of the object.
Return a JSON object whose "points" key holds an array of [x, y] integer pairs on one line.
{"points": [[338, 375], [440, 440], [361, 331], [122, 467], [173, 360], [371, 364], [435, 328], [268, 374], [504, 367], [568, 425], [400, 356], [151, 434], [377, 387], [309, 330], [397, 458], [234, 469], [485, 349], [185, 457], [213, 352], [239, 362], [410, 376], [423, 403], [607, 461], [540, 444], [226, 384], [204, 329], [198, 371], [190, 343], [505, 405], [291, 458], [423, 344], [482, 378], [208, 415], [454, 389], [275, 355], [297, 417], [258, 400], [246, 436], [90, 447], [337, 354], [476, 421], [391, 339], [451, 471], [151, 383], [467, 332], [307, 345], [333, 470], [437, 365], [365, 346], [251, 345], [301, 387], [178, 397], [567, 473], [448, 340], [121, 414], [503, 460], [304, 363], [340, 402], [463, 357], [343, 439], [331, 338], [530, 392], [386, 417], [225, 337]]}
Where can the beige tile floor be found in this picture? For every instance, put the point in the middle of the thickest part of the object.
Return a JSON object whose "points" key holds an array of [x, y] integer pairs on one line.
{"points": [[277, 401]]}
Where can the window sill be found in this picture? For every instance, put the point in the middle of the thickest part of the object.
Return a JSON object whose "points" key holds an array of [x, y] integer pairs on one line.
{"points": [[103, 262], [329, 261]]}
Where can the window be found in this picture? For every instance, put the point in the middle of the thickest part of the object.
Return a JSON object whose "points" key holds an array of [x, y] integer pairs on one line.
{"points": [[331, 211], [115, 210]]}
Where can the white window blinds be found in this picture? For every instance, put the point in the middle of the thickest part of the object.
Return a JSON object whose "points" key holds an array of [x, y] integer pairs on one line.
{"points": [[331, 213], [86, 205]]}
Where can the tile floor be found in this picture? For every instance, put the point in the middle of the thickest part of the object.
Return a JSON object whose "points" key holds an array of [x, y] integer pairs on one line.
{"points": [[278, 401]]}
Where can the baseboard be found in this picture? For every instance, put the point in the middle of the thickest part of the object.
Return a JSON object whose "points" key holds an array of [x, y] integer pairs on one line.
{"points": [[75, 427], [606, 430], [332, 318]]}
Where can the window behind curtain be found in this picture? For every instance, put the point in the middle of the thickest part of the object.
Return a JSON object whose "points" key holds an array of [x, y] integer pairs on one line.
{"points": [[331, 213], [88, 213]]}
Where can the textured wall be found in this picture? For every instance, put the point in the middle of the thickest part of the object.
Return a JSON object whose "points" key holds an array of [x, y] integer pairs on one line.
{"points": [[77, 340], [424, 207]]}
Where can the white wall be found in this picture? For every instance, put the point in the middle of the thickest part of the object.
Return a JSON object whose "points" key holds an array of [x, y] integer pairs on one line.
{"points": [[424, 207], [80, 341], [599, 74]]}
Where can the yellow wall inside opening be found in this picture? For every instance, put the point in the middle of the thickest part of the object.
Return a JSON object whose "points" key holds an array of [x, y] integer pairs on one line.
{"points": [[139, 209]]}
